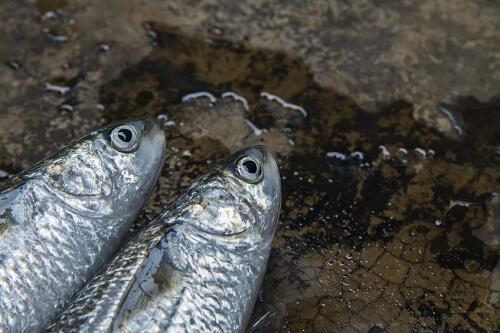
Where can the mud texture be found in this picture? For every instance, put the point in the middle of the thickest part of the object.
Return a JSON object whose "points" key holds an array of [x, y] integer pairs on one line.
{"points": [[390, 219]]}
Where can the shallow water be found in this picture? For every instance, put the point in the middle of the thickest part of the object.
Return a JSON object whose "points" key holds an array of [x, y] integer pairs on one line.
{"points": [[388, 223]]}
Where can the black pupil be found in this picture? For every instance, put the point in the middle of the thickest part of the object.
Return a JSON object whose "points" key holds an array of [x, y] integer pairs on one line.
{"points": [[250, 166], [125, 135]]}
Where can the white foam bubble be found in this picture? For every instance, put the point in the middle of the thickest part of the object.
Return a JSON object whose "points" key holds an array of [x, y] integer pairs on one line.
{"points": [[283, 103], [200, 94], [236, 97]]}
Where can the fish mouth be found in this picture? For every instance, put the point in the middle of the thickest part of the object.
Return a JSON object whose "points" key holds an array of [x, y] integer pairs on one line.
{"points": [[155, 134], [220, 235], [241, 241]]}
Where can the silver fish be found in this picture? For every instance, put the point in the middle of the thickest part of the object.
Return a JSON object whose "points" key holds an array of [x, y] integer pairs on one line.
{"points": [[63, 219], [195, 268]]}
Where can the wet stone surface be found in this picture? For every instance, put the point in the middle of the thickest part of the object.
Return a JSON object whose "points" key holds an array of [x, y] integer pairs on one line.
{"points": [[388, 224]]}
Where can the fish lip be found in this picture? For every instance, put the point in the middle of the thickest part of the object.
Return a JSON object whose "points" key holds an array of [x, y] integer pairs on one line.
{"points": [[232, 242], [150, 124], [153, 131]]}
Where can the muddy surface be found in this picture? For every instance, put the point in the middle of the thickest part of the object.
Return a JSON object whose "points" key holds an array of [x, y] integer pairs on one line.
{"points": [[390, 219]]}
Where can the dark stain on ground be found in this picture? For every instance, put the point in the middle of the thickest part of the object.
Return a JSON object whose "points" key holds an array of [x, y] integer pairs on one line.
{"points": [[368, 242], [351, 202]]}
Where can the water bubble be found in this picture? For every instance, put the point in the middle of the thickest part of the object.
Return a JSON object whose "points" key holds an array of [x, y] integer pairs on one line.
{"points": [[54, 36], [403, 151], [61, 90], [385, 153], [150, 33], [421, 152], [357, 154], [452, 120], [284, 104], [257, 131], [337, 155], [216, 31], [48, 15], [103, 47], [236, 97], [66, 108], [163, 118], [200, 94], [14, 64]]}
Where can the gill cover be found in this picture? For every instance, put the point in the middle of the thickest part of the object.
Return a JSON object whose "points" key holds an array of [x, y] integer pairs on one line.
{"points": [[79, 173], [218, 212]]}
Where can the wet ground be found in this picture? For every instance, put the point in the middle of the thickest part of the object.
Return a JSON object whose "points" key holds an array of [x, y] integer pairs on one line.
{"points": [[386, 126]]}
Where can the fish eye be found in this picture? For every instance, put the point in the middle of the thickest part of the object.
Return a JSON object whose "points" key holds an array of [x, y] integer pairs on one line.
{"points": [[249, 169], [124, 138]]}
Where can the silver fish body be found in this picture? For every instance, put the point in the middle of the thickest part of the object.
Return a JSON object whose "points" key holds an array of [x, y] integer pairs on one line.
{"points": [[198, 266], [63, 219]]}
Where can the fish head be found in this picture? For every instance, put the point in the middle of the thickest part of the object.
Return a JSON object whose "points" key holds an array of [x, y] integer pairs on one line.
{"points": [[239, 200], [114, 168]]}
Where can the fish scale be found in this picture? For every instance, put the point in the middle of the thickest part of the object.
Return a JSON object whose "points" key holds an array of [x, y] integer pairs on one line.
{"points": [[47, 256], [232, 297], [65, 217], [195, 268], [110, 285]]}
